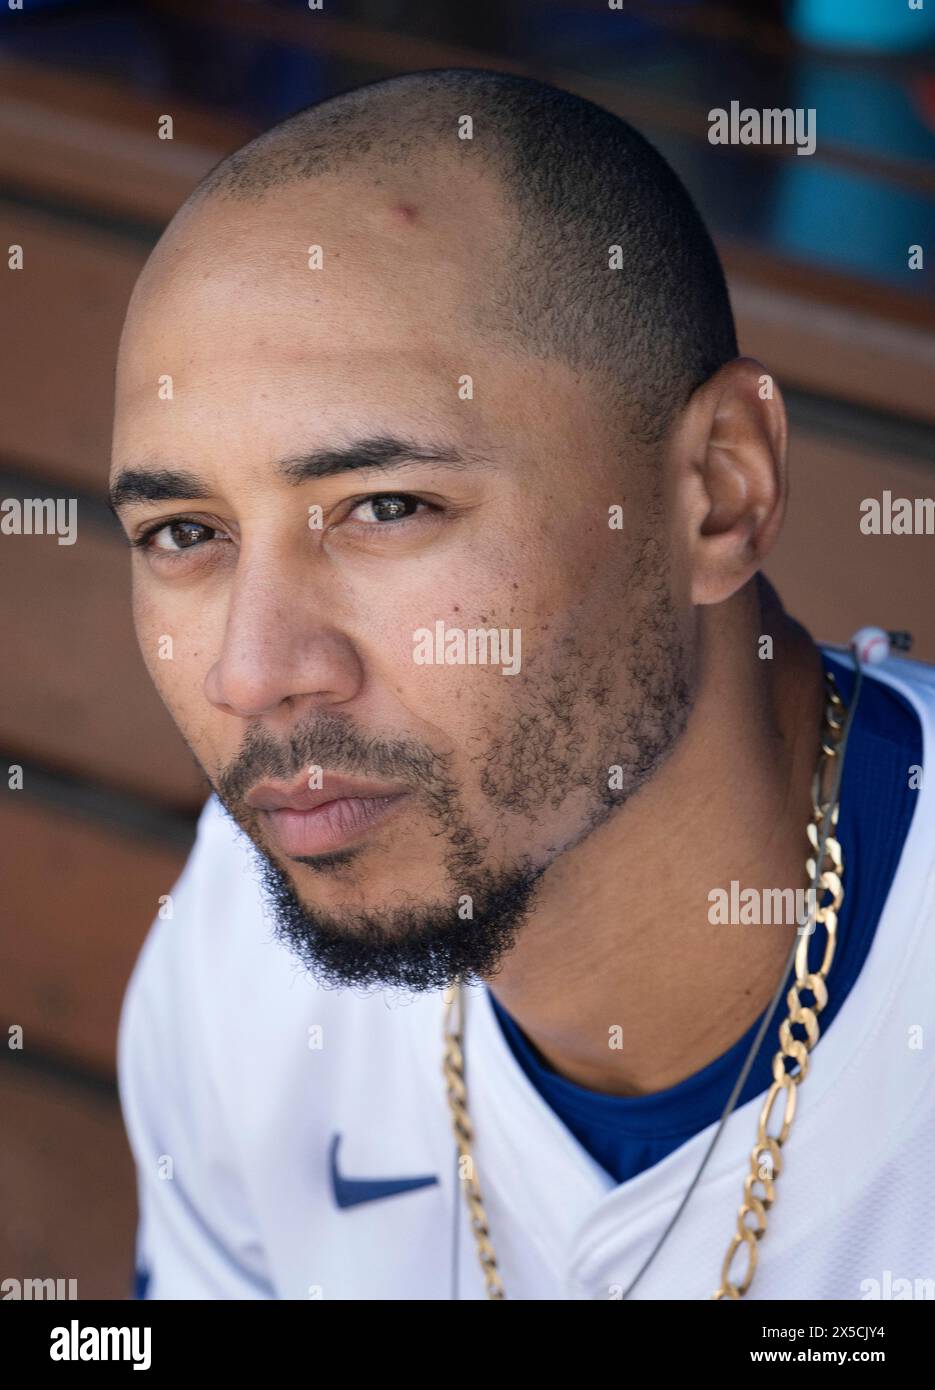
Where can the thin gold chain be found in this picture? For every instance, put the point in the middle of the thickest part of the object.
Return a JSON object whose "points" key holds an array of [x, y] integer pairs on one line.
{"points": [[464, 1137], [759, 1187]]}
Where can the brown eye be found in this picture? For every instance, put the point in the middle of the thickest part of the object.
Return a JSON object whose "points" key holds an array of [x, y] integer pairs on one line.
{"points": [[386, 506], [180, 535]]}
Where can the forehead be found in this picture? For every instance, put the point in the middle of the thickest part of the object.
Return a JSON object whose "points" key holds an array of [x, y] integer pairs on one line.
{"points": [[239, 308], [364, 262], [236, 350]]}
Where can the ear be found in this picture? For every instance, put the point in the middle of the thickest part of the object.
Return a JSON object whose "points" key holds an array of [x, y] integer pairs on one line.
{"points": [[731, 483]]}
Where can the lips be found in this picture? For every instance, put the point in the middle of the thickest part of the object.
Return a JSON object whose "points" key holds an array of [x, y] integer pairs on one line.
{"points": [[306, 821]]}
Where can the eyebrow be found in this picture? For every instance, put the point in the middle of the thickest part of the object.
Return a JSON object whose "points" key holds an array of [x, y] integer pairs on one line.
{"points": [[153, 485], [384, 452]]}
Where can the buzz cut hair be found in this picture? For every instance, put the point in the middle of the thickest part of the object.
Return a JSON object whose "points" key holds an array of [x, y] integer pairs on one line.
{"points": [[608, 266]]}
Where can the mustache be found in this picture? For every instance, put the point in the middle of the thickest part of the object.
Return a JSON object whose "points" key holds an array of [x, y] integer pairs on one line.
{"points": [[331, 742]]}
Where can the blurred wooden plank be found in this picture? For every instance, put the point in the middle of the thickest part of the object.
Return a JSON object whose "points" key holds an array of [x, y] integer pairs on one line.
{"points": [[831, 576], [78, 697], [87, 139], [640, 99], [851, 351], [65, 309], [78, 901], [69, 1208]]}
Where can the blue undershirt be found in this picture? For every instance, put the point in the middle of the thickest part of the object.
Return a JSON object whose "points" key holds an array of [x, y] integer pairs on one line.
{"points": [[627, 1134]]}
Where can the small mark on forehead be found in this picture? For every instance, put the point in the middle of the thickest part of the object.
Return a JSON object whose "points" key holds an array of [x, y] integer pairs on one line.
{"points": [[406, 213]]}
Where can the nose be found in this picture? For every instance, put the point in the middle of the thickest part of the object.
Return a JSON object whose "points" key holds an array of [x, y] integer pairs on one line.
{"points": [[278, 647]]}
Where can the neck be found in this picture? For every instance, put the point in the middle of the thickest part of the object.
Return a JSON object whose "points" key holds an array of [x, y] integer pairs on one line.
{"points": [[621, 936]]}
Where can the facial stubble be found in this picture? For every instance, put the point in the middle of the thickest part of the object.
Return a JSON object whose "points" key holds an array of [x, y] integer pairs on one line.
{"points": [[540, 758]]}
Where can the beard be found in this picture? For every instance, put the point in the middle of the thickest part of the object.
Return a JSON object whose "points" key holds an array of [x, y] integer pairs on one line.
{"points": [[564, 735], [415, 945], [420, 947]]}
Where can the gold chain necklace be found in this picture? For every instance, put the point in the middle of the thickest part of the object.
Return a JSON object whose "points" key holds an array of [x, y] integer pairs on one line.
{"points": [[759, 1190]]}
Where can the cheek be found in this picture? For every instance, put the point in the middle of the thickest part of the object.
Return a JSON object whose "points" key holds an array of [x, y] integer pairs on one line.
{"points": [[468, 677], [150, 632], [174, 645], [465, 643]]}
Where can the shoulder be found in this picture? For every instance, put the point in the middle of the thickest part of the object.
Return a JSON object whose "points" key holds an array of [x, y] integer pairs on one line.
{"points": [[904, 945], [914, 680], [215, 996], [896, 702], [212, 926], [210, 973]]}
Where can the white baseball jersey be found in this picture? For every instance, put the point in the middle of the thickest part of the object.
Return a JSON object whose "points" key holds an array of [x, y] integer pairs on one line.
{"points": [[294, 1142]]}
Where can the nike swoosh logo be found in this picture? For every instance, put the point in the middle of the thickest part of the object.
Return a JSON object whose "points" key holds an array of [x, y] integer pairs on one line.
{"points": [[351, 1192]]}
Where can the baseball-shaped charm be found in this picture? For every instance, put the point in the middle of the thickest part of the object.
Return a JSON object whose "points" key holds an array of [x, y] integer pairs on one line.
{"points": [[871, 645]]}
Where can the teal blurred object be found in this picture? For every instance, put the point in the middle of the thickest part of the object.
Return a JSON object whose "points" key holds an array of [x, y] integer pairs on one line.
{"points": [[883, 26], [844, 218]]}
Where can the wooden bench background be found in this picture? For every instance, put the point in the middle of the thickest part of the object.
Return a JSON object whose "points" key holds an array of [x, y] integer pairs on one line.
{"points": [[103, 823]]}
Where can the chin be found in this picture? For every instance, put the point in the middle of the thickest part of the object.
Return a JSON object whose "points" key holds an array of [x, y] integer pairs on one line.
{"points": [[398, 938]]}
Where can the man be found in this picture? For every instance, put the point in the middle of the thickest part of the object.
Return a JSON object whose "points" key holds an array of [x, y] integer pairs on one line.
{"points": [[448, 494]]}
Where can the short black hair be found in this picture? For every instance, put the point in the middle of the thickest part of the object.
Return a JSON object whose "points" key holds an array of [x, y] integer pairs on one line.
{"points": [[611, 268]]}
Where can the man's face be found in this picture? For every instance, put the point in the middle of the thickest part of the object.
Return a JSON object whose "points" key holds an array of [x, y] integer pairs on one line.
{"points": [[333, 629]]}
